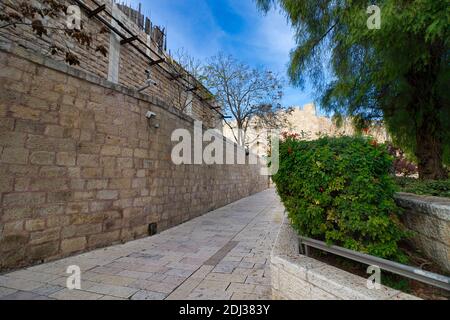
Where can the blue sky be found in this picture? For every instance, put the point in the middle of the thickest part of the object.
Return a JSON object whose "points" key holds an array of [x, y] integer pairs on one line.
{"points": [[206, 27]]}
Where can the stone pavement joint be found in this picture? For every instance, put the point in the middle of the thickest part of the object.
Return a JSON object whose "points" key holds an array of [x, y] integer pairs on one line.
{"points": [[224, 254], [215, 259]]}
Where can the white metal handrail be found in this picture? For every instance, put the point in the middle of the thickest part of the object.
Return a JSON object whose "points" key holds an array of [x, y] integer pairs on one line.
{"points": [[427, 277]]}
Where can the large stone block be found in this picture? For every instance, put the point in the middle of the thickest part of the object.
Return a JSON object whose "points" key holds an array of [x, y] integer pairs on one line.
{"points": [[35, 224], [13, 242], [97, 184], [66, 158], [73, 245], [14, 155], [87, 160], [107, 194], [49, 184], [23, 199], [42, 143], [42, 251], [12, 139], [6, 182], [11, 214], [46, 235], [120, 183], [80, 230], [12, 228], [25, 113], [42, 158], [111, 151], [103, 239]]}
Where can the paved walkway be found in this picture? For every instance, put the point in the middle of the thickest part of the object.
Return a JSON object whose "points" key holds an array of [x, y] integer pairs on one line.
{"points": [[221, 255]]}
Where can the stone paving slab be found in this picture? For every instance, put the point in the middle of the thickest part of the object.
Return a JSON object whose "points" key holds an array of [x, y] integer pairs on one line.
{"points": [[223, 254]]}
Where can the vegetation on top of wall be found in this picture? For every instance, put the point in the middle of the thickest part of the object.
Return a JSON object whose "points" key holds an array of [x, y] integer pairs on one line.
{"points": [[438, 188], [57, 34], [340, 190]]}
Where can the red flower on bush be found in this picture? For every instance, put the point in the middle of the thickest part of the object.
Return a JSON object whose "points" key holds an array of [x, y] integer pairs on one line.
{"points": [[290, 135]]}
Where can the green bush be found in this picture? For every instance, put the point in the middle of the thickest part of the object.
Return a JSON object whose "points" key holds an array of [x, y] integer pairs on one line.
{"points": [[339, 190], [438, 188]]}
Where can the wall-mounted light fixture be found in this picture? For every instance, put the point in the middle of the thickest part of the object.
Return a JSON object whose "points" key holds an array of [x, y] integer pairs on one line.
{"points": [[148, 82], [150, 115]]}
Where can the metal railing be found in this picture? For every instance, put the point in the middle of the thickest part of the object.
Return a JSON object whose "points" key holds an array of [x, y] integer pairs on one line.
{"points": [[427, 277]]}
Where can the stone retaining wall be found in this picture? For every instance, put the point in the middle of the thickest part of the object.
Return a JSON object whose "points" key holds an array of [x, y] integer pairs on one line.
{"points": [[429, 218], [298, 277], [81, 167]]}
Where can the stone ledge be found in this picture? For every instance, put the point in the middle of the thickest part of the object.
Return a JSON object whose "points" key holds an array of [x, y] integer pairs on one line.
{"points": [[435, 206], [429, 218], [297, 277]]}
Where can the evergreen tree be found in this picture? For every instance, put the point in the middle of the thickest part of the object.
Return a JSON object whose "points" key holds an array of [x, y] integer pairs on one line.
{"points": [[398, 72]]}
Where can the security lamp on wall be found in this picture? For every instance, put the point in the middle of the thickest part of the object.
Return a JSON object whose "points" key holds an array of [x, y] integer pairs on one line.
{"points": [[148, 82], [151, 115]]}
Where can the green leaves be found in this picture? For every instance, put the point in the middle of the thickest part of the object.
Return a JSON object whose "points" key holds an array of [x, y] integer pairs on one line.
{"points": [[432, 188], [339, 190], [397, 74]]}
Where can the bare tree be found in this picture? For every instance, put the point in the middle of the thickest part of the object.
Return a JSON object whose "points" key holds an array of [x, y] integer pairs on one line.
{"points": [[192, 69], [251, 95], [189, 63], [185, 66]]}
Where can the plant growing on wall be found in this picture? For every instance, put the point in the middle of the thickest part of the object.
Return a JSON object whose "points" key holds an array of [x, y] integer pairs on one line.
{"points": [[47, 19], [191, 71], [187, 67], [398, 72]]}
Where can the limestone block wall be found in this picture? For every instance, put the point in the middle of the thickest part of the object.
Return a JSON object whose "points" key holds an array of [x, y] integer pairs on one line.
{"points": [[125, 60], [429, 218], [81, 168], [298, 277]]}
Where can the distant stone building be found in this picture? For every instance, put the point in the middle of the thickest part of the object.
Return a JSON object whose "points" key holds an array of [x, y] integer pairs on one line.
{"points": [[305, 122]]}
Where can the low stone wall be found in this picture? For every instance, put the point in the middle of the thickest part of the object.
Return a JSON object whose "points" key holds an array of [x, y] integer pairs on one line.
{"points": [[81, 167], [429, 218], [297, 277]]}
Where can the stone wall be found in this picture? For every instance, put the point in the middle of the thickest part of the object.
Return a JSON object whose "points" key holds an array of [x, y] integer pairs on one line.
{"points": [[81, 168], [298, 277], [306, 123], [429, 218], [130, 65]]}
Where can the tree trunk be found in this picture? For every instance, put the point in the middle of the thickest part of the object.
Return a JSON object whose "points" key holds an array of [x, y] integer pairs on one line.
{"points": [[429, 153], [429, 141]]}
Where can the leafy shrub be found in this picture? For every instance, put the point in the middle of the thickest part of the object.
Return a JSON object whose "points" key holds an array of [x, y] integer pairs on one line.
{"points": [[438, 188], [339, 190]]}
